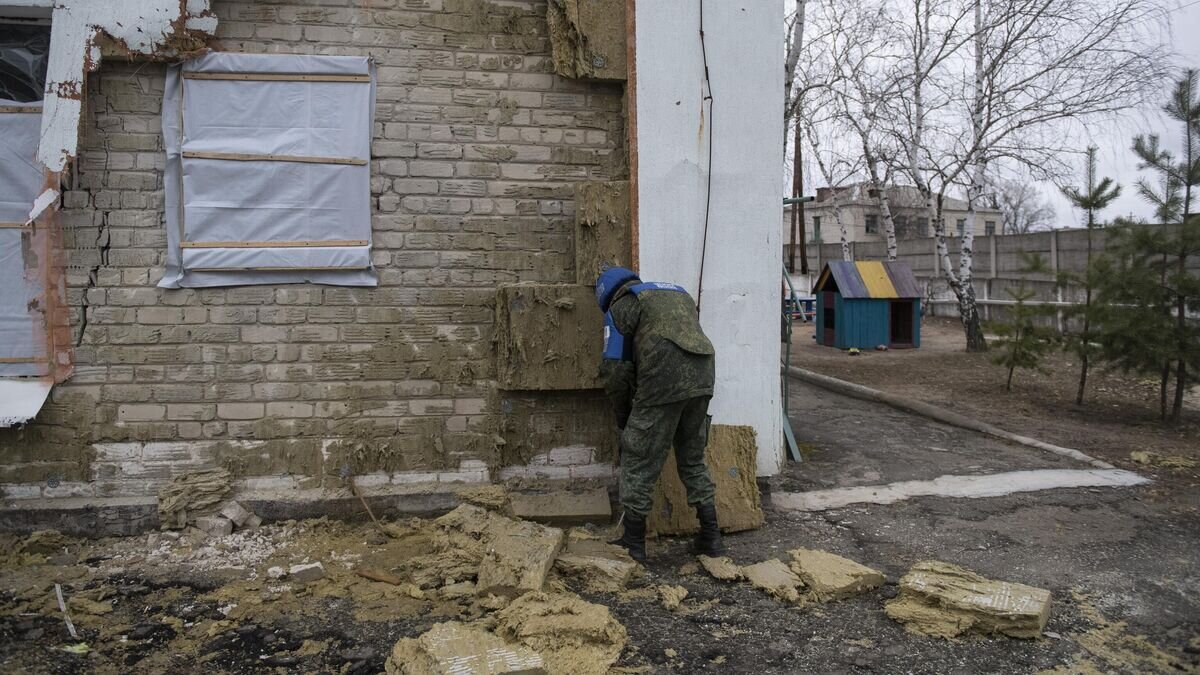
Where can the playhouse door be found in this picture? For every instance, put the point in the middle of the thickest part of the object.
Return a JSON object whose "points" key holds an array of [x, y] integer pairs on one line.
{"points": [[901, 321], [828, 326]]}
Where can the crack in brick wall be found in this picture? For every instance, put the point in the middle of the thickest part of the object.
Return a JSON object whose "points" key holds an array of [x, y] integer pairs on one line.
{"points": [[476, 149]]}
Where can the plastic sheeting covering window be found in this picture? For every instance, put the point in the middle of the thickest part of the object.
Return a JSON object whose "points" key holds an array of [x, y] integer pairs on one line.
{"points": [[22, 352], [24, 53], [268, 170]]}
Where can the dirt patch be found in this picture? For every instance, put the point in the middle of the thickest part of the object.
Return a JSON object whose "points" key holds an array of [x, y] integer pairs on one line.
{"points": [[1119, 416], [945, 600], [602, 229], [731, 456], [587, 38], [548, 337]]}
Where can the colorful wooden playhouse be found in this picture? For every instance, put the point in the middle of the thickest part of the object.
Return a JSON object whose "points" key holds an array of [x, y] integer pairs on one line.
{"points": [[867, 304]]}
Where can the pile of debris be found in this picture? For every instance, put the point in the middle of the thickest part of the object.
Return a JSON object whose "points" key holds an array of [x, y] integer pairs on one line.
{"points": [[519, 574], [195, 500], [811, 576]]}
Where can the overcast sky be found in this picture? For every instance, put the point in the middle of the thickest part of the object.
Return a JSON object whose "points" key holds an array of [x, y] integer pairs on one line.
{"points": [[1115, 159]]}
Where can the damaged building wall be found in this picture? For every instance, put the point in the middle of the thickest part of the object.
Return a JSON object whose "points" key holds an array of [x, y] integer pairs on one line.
{"points": [[477, 146]]}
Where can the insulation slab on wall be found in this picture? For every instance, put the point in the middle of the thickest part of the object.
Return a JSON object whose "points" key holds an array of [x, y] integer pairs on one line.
{"points": [[731, 460], [548, 336], [602, 230]]}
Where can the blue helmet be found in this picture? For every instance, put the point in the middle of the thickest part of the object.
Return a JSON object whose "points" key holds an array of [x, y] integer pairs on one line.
{"points": [[611, 279]]}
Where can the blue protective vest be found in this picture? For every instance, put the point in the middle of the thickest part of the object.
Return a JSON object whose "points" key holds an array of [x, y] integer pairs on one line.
{"points": [[618, 346]]}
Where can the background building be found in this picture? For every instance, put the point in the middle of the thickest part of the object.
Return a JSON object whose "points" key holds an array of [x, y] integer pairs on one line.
{"points": [[864, 219]]}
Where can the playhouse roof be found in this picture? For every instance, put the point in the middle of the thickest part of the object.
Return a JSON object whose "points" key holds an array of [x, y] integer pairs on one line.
{"points": [[870, 279]]}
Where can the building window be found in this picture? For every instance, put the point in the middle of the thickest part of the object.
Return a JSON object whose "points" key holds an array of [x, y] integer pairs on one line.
{"points": [[962, 226], [989, 228], [274, 189], [872, 223], [922, 227], [816, 232]]}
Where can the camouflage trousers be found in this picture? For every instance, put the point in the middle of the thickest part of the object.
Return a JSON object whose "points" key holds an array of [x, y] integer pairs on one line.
{"points": [[648, 437]]}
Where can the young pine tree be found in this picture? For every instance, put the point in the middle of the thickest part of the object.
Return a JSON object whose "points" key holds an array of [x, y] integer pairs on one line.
{"points": [[1023, 343], [1166, 257], [1096, 195]]}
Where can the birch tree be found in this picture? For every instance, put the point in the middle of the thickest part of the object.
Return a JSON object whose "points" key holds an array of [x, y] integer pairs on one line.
{"points": [[1014, 82]]}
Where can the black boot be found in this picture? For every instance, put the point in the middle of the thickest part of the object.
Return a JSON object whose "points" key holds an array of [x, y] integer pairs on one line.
{"points": [[634, 536], [708, 541]]}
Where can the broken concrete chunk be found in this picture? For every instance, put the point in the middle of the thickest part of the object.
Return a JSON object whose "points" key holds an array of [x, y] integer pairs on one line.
{"points": [[252, 523], [564, 507], [831, 577], [731, 458], [454, 648], [235, 512], [276, 572], [574, 637], [548, 337], [463, 589], [305, 573], [190, 495], [587, 38], [602, 228], [722, 568], [215, 526], [776, 578], [945, 600]]}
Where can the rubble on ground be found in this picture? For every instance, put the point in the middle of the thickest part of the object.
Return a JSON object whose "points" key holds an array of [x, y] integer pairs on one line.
{"points": [[191, 495], [945, 600], [672, 596], [723, 568], [594, 565]]}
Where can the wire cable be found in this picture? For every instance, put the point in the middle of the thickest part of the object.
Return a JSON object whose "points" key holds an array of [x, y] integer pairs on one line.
{"points": [[708, 187]]}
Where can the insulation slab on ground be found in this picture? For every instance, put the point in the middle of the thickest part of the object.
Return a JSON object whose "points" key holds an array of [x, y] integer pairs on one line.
{"points": [[945, 600], [453, 648], [722, 568], [563, 507], [776, 578], [599, 567], [587, 38], [548, 336], [573, 636], [831, 577], [731, 457], [602, 228]]}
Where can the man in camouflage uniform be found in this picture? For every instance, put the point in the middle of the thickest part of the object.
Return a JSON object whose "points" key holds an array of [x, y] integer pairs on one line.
{"points": [[660, 386]]}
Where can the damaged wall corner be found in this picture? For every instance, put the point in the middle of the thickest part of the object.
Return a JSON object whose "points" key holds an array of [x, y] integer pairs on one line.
{"points": [[587, 38], [548, 336], [602, 228], [155, 29]]}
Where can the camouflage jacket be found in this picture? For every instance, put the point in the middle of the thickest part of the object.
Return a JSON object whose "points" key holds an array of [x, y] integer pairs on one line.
{"points": [[672, 359]]}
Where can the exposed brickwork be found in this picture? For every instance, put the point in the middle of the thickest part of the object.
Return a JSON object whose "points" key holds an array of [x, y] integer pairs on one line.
{"points": [[476, 147]]}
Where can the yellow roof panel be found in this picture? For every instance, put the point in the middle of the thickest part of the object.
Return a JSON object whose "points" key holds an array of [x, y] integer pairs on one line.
{"points": [[876, 279]]}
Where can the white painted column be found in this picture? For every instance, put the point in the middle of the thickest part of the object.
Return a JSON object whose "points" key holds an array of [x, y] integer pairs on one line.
{"points": [[740, 299]]}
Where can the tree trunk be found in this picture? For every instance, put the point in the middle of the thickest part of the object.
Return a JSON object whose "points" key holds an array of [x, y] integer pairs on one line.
{"points": [[1180, 387], [969, 313], [1085, 338], [1162, 390]]}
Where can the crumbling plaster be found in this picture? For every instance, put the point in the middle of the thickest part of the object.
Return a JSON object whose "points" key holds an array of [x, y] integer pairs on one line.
{"points": [[139, 28]]}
